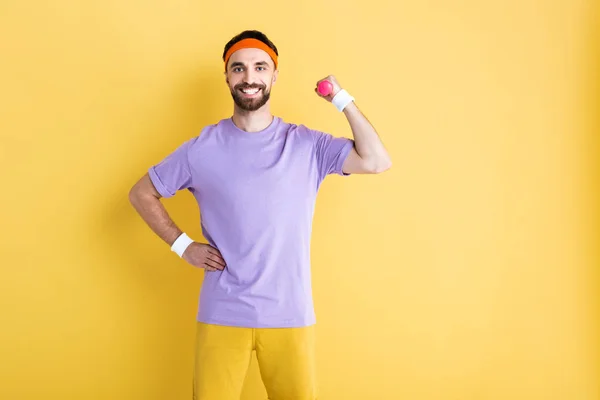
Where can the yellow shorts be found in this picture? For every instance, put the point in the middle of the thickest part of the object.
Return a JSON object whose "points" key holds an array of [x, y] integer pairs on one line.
{"points": [[286, 360]]}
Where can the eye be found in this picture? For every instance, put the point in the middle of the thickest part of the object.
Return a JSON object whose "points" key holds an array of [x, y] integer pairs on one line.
{"points": [[237, 69], [260, 68]]}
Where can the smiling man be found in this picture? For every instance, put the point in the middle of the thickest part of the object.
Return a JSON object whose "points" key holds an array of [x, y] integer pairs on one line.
{"points": [[255, 178]]}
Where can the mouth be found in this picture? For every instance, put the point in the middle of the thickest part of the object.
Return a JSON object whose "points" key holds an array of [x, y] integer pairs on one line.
{"points": [[250, 92]]}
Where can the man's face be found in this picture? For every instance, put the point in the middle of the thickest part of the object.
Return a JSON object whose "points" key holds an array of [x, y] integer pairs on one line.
{"points": [[250, 76]]}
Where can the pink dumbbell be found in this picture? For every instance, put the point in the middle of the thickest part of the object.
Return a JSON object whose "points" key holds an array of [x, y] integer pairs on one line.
{"points": [[325, 88]]}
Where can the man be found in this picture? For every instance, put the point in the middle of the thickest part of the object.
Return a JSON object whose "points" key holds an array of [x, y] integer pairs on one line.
{"points": [[255, 178]]}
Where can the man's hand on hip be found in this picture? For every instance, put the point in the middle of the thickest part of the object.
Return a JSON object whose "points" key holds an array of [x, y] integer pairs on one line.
{"points": [[204, 256]]}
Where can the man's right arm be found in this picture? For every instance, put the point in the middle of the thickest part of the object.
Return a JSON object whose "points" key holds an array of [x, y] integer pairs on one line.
{"points": [[146, 200]]}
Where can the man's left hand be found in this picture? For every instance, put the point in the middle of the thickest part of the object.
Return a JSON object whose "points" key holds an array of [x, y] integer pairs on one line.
{"points": [[336, 88]]}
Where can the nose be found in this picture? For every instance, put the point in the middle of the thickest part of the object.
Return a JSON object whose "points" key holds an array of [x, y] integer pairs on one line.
{"points": [[249, 76]]}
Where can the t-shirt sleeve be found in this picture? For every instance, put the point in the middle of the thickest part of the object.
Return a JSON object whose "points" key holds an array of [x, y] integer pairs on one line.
{"points": [[173, 172], [331, 152]]}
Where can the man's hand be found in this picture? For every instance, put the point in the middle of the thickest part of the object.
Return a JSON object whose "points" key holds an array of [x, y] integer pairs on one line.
{"points": [[336, 88], [368, 156], [204, 256]]}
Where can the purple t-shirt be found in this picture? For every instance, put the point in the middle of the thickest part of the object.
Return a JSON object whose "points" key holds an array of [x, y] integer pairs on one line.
{"points": [[256, 192]]}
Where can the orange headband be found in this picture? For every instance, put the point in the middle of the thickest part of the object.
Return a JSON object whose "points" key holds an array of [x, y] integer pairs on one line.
{"points": [[250, 44]]}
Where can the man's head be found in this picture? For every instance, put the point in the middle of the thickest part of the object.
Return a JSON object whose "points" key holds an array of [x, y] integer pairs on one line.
{"points": [[250, 68]]}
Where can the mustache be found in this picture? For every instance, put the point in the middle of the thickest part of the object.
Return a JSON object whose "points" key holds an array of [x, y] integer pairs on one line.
{"points": [[245, 86]]}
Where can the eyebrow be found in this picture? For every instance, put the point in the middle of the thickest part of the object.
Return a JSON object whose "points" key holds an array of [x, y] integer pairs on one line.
{"points": [[241, 64]]}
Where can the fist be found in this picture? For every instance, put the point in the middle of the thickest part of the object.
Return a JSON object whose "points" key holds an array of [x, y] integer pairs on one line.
{"points": [[204, 256], [334, 83]]}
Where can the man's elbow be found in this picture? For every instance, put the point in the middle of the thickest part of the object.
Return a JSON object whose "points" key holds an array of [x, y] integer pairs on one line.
{"points": [[134, 195], [384, 167], [380, 166]]}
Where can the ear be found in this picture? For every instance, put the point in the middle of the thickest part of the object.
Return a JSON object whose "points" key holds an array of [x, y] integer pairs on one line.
{"points": [[275, 74]]}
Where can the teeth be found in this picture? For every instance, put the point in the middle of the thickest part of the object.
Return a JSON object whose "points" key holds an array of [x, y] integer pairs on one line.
{"points": [[250, 91]]}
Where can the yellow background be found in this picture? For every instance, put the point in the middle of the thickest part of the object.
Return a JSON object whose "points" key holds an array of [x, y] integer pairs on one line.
{"points": [[466, 272]]}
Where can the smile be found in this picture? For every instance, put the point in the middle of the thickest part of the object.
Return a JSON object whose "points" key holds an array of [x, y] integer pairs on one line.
{"points": [[250, 92]]}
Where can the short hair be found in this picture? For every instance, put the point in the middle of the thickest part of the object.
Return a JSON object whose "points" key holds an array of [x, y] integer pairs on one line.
{"points": [[249, 34]]}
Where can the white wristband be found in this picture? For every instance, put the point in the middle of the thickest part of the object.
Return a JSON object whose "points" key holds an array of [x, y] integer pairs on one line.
{"points": [[181, 243], [342, 99]]}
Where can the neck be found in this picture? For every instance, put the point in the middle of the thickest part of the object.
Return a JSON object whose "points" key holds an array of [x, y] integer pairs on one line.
{"points": [[252, 121]]}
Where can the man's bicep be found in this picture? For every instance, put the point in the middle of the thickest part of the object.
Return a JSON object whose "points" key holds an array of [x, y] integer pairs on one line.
{"points": [[354, 164], [145, 187], [149, 186]]}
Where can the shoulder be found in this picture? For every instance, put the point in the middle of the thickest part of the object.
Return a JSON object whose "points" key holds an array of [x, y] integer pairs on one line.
{"points": [[214, 128], [207, 133], [302, 132]]}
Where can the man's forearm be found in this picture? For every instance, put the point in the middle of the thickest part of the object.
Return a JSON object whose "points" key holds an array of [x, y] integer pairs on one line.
{"points": [[367, 142], [155, 215]]}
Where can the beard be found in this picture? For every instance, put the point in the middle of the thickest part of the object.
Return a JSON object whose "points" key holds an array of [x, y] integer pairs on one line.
{"points": [[250, 104]]}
